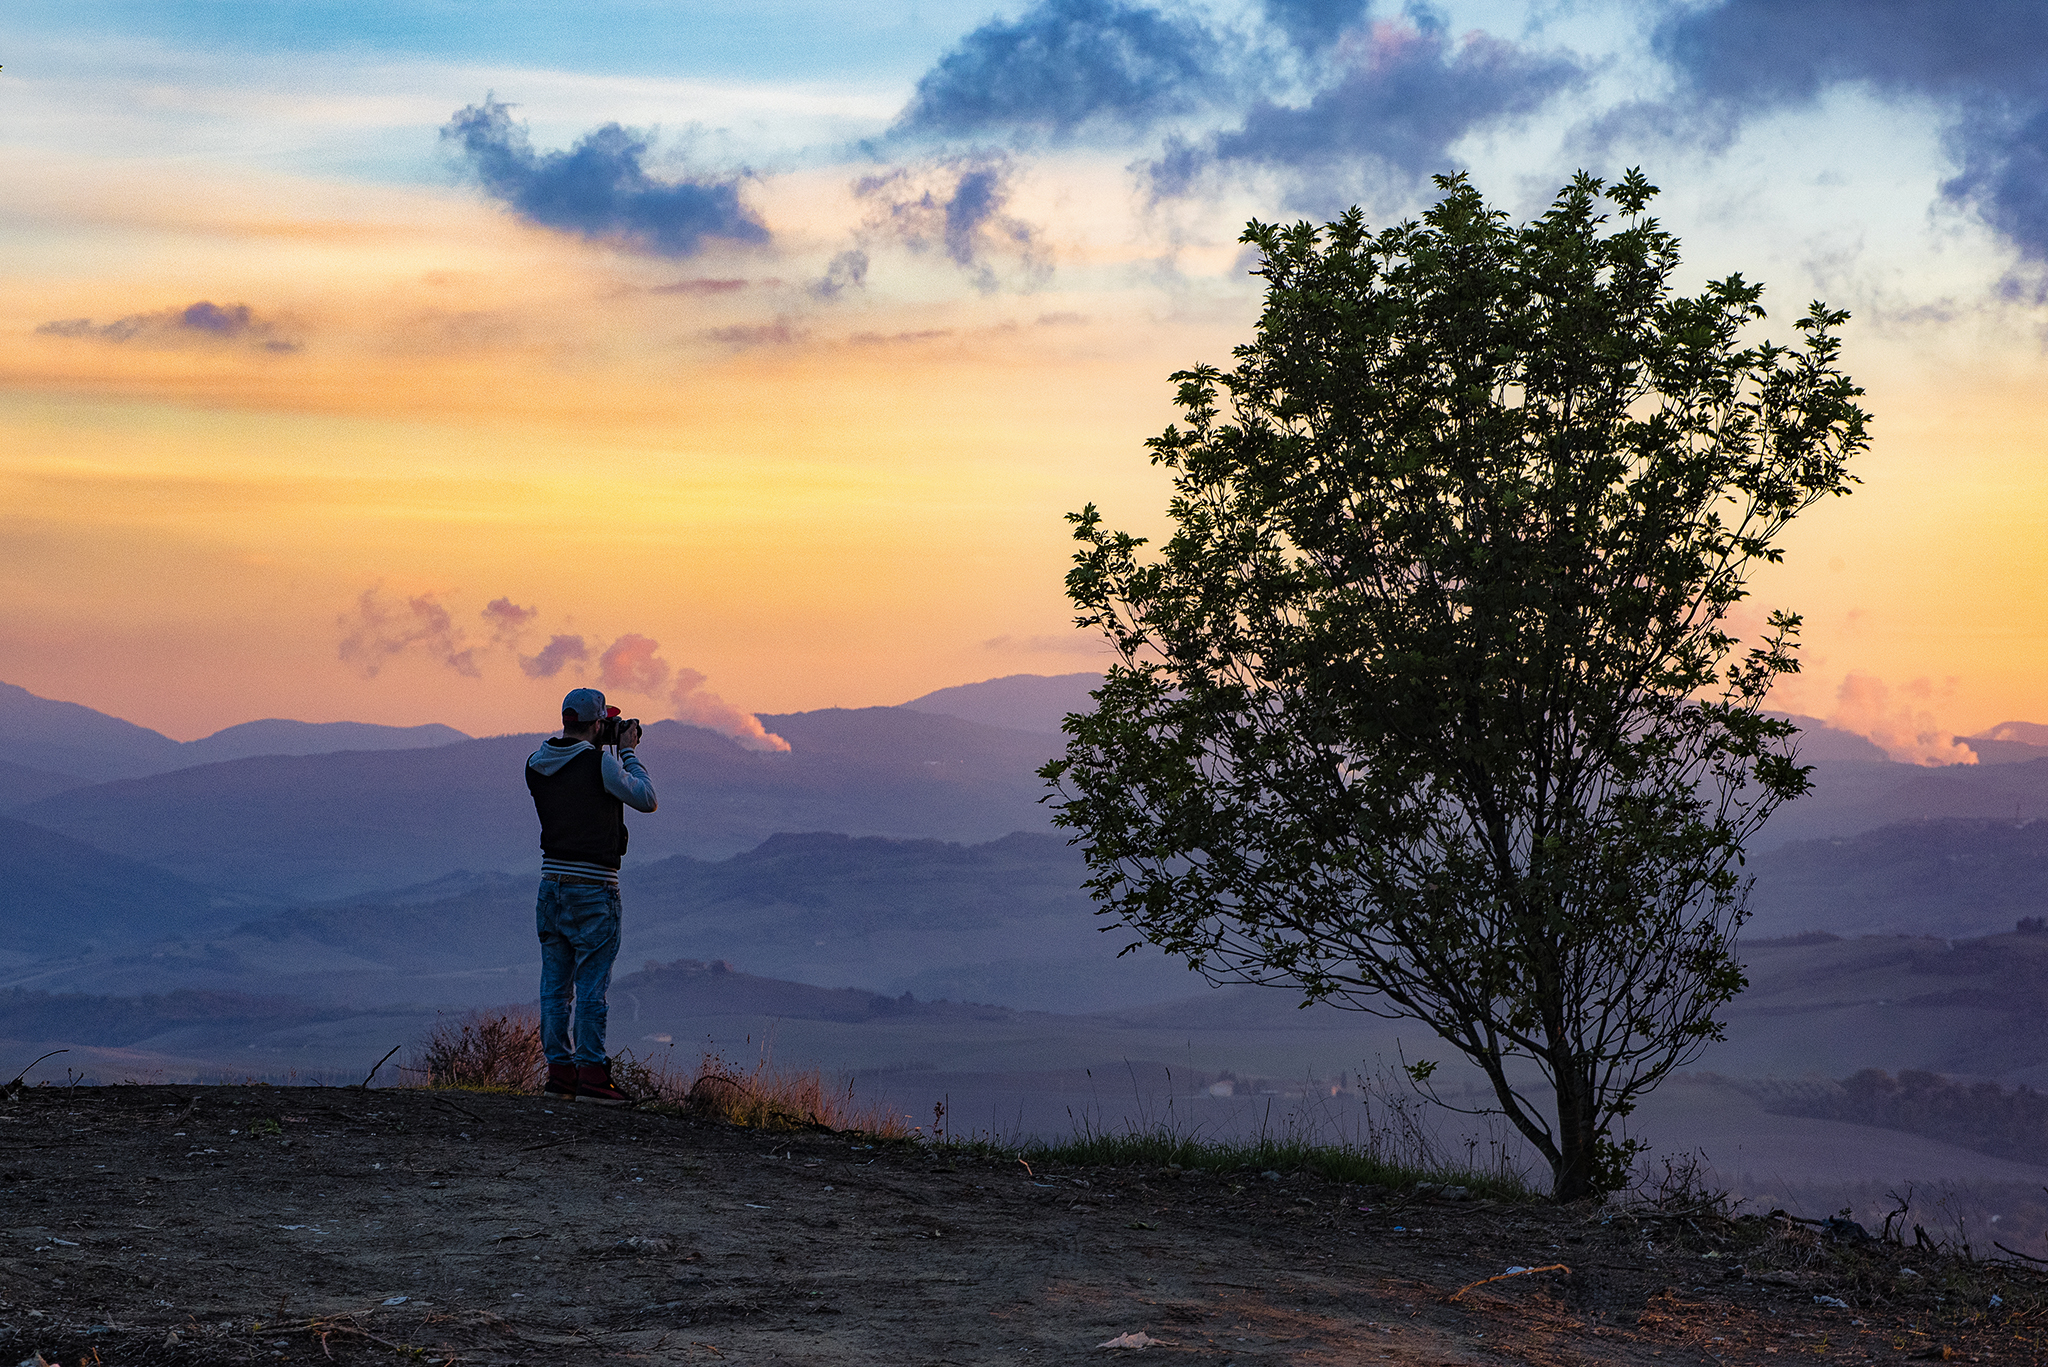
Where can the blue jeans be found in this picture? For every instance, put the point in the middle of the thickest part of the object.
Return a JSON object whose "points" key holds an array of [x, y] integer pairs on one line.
{"points": [[579, 938]]}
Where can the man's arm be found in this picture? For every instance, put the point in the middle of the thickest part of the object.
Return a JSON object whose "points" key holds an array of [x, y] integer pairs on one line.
{"points": [[625, 778]]}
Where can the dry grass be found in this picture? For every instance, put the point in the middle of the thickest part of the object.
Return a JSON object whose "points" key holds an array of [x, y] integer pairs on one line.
{"points": [[762, 1097], [495, 1051], [500, 1051]]}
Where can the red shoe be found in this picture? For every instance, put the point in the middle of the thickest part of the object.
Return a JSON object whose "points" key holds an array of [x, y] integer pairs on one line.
{"points": [[561, 1081], [594, 1083]]}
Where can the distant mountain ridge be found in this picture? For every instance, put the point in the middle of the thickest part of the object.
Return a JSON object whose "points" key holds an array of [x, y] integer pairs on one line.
{"points": [[1022, 702], [314, 827], [70, 739]]}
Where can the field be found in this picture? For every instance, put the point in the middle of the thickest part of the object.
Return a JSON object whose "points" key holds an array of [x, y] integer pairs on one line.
{"points": [[175, 1225]]}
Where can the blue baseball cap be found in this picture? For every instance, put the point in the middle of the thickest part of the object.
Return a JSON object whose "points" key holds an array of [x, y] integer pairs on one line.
{"points": [[586, 703]]}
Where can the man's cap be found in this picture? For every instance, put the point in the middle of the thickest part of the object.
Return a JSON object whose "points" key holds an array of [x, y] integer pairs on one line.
{"points": [[586, 703]]}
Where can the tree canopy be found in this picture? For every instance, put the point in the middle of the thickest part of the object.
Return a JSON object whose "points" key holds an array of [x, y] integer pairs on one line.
{"points": [[1431, 705]]}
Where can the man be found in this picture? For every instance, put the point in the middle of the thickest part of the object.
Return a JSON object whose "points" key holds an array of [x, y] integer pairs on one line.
{"points": [[581, 791]]}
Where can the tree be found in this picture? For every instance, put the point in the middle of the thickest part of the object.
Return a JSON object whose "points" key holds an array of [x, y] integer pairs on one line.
{"points": [[1431, 705]]}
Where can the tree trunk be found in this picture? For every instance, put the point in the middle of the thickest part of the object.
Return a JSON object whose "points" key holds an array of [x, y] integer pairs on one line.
{"points": [[1577, 1138]]}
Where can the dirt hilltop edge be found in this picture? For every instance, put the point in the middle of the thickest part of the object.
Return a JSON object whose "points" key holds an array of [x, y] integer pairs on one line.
{"points": [[188, 1225]]}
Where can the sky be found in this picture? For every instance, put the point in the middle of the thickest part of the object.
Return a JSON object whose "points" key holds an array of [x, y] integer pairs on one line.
{"points": [[415, 362]]}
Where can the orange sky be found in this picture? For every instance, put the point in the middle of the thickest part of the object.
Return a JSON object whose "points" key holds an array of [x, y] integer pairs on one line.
{"points": [[811, 503]]}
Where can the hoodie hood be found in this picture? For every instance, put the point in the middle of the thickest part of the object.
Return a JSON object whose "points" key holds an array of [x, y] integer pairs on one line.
{"points": [[553, 754]]}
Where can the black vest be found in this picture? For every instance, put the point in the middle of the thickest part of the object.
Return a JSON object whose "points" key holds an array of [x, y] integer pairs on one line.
{"points": [[579, 819]]}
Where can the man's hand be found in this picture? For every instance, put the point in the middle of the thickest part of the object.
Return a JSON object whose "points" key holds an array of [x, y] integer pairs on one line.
{"points": [[629, 736]]}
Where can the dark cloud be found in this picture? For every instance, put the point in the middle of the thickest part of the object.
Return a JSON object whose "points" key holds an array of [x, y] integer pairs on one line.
{"points": [[559, 652], [1404, 97], [1065, 64], [1314, 24], [955, 205], [202, 324], [598, 188], [1986, 61]]}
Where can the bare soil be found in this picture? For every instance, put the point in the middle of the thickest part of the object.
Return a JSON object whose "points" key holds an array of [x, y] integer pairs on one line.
{"points": [[162, 1225]]}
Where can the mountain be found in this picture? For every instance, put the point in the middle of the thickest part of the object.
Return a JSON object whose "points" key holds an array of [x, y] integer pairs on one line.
{"points": [[1820, 743], [1852, 798], [276, 736], [61, 897], [1022, 702], [2009, 742], [1006, 921], [313, 827], [1951, 879], [20, 784], [65, 738]]}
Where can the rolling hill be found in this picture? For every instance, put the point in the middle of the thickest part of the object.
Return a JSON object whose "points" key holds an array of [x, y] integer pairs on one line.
{"points": [[314, 827]]}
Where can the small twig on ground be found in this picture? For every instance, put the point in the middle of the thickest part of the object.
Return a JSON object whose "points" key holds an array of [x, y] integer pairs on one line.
{"points": [[364, 1085], [1518, 1272], [446, 1102]]}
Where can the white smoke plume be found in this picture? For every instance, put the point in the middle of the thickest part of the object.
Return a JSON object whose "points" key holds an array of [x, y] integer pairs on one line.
{"points": [[629, 665], [696, 707], [1905, 730], [632, 664], [376, 632]]}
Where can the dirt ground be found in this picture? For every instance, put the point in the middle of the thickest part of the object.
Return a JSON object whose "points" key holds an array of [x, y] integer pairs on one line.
{"points": [[160, 1225]]}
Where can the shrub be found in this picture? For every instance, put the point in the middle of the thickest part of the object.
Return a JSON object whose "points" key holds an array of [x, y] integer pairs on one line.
{"points": [[484, 1050]]}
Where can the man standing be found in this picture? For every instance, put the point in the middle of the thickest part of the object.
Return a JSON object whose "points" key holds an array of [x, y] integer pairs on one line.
{"points": [[581, 791]]}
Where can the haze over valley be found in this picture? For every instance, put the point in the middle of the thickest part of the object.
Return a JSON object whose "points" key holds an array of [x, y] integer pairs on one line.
{"points": [[888, 899]]}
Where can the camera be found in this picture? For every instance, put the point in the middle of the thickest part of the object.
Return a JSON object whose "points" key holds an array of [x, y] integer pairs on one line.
{"points": [[609, 728]]}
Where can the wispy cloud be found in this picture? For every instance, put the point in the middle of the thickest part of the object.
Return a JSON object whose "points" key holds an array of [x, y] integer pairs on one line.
{"points": [[955, 205], [1073, 643], [202, 324], [377, 631], [599, 188]]}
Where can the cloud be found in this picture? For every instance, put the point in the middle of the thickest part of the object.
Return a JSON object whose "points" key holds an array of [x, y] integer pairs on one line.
{"points": [[507, 620], [696, 707], [1065, 64], [1404, 94], [1905, 730], [1313, 25], [375, 632], [1986, 62], [551, 658], [598, 188], [699, 287], [630, 665], [848, 271], [1073, 643], [745, 336], [202, 324], [955, 205]]}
